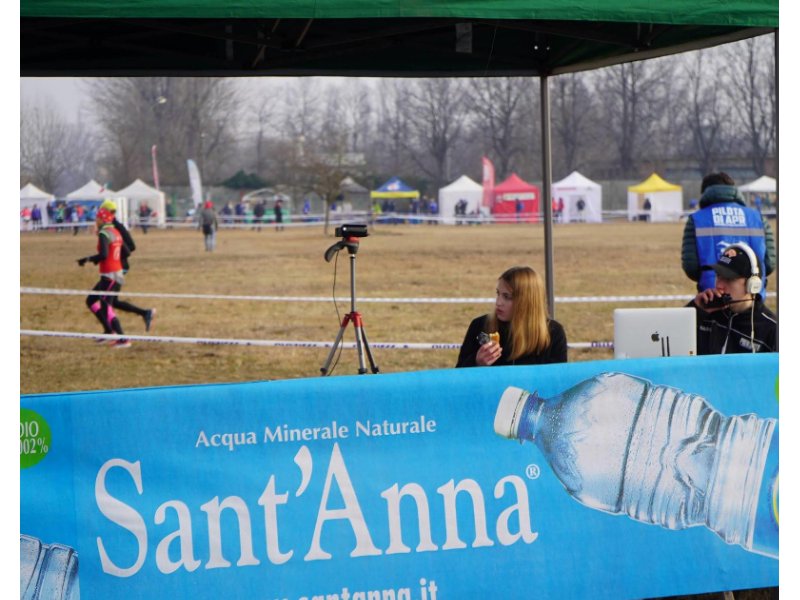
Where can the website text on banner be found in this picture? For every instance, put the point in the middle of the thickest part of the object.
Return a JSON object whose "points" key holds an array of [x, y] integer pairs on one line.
{"points": [[399, 485]]}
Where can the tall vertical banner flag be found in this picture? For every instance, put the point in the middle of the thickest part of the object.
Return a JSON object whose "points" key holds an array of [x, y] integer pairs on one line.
{"points": [[488, 182], [637, 478], [153, 152], [195, 183]]}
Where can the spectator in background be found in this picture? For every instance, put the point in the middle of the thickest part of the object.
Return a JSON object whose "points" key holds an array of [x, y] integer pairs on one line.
{"points": [[171, 212], [433, 208], [66, 215], [524, 334], [258, 213], [646, 207], [278, 215], [240, 211], [227, 213], [144, 216], [36, 217], [75, 218], [581, 206], [208, 223], [723, 219], [25, 214], [376, 210]]}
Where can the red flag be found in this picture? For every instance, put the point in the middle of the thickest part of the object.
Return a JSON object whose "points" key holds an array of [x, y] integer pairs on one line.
{"points": [[488, 182]]}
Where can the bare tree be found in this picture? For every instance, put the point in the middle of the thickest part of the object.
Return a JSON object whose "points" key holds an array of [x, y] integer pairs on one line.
{"points": [[706, 113], [633, 97], [357, 114], [184, 117], [43, 133], [498, 104], [54, 154], [437, 115], [265, 115], [390, 155], [572, 117], [301, 110], [750, 88]]}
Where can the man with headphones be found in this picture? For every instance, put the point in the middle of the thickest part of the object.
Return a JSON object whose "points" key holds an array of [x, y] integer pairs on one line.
{"points": [[731, 316]]}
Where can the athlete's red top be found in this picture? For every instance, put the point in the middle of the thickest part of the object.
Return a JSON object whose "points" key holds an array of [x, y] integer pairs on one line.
{"points": [[113, 261]]}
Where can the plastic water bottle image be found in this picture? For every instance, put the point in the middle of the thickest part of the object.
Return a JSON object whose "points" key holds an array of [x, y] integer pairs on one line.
{"points": [[623, 445], [47, 571]]}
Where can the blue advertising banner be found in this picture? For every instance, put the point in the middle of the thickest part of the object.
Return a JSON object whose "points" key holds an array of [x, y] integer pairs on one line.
{"points": [[606, 479]]}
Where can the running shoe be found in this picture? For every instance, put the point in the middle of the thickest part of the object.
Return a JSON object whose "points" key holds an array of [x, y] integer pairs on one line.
{"points": [[121, 344], [148, 317]]}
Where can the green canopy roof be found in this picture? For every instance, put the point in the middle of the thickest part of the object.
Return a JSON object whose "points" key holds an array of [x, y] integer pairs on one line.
{"points": [[370, 37]]}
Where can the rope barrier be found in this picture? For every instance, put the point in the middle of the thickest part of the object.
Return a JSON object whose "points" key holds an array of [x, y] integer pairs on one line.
{"points": [[268, 343], [419, 300], [294, 220]]}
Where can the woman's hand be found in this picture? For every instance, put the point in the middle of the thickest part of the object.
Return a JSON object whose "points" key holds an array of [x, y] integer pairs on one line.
{"points": [[488, 354]]}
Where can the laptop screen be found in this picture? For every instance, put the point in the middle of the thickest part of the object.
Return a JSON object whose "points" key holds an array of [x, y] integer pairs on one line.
{"points": [[651, 332]]}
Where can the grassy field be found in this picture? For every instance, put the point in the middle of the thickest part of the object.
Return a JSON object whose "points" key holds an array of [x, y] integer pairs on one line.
{"points": [[396, 261]]}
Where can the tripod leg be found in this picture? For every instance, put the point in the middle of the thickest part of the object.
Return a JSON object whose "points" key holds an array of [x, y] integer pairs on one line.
{"points": [[326, 366], [372, 364], [362, 368]]}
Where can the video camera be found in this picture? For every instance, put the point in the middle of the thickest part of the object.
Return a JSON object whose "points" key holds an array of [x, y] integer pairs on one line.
{"points": [[352, 230], [348, 232]]}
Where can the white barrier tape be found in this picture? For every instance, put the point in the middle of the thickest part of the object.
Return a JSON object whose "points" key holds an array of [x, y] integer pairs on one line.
{"points": [[236, 342], [269, 343], [488, 300]]}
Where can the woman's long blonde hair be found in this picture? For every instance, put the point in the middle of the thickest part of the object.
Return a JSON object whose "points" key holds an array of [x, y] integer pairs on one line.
{"points": [[529, 332]]}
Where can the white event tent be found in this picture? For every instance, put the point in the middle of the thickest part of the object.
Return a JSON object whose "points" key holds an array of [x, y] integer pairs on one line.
{"points": [[30, 195], [139, 192], [762, 185], [574, 188], [462, 188], [93, 191]]}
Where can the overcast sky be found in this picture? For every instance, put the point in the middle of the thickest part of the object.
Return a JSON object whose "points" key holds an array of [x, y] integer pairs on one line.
{"points": [[65, 93], [69, 95]]}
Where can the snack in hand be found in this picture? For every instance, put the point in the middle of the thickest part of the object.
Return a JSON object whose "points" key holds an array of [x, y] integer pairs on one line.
{"points": [[485, 338]]}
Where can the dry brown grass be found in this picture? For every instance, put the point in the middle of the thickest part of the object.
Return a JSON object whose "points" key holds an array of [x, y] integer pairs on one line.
{"points": [[394, 261]]}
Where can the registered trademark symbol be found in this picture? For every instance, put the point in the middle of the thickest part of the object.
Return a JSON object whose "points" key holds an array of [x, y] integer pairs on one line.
{"points": [[532, 471]]}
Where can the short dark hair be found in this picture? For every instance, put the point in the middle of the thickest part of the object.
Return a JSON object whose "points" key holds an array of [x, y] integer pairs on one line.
{"points": [[720, 178]]}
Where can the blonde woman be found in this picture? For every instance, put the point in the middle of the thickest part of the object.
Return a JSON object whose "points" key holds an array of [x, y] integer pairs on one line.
{"points": [[518, 331]]}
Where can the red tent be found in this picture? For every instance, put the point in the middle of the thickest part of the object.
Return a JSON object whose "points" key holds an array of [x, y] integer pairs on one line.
{"points": [[516, 198]]}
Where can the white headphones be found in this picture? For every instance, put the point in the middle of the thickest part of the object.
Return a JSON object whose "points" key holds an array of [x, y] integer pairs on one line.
{"points": [[753, 284]]}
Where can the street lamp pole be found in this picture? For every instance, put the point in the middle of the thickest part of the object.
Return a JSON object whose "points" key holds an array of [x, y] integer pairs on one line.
{"points": [[159, 102], [153, 152]]}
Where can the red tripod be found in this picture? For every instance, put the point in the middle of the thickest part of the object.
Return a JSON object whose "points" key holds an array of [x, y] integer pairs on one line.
{"points": [[354, 317]]}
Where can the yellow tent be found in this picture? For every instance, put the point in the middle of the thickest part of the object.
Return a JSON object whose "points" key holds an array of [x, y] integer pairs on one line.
{"points": [[655, 200], [654, 183]]}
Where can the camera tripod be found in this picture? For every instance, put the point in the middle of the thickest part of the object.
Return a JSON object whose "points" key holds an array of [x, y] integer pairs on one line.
{"points": [[354, 317]]}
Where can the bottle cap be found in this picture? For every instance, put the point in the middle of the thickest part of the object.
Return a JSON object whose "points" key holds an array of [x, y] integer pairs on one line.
{"points": [[509, 409]]}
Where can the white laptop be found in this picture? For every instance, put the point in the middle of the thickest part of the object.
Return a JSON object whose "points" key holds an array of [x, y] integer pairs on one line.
{"points": [[650, 332]]}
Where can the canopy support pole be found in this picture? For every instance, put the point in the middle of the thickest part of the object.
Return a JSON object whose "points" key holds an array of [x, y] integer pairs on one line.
{"points": [[547, 182], [777, 150]]}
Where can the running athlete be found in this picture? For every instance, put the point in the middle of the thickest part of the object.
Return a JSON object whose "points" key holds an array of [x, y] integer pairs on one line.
{"points": [[109, 258], [129, 246]]}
